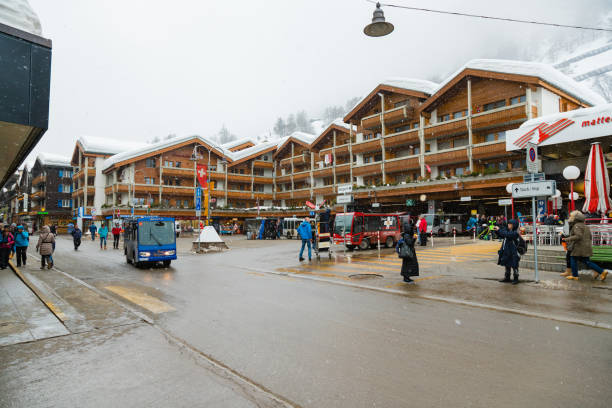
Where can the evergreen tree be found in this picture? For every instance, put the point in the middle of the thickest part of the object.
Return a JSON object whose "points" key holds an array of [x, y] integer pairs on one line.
{"points": [[302, 122], [280, 128], [291, 124]]}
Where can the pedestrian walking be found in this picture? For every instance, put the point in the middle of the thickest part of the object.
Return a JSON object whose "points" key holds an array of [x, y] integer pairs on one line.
{"points": [[508, 253], [305, 232], [405, 250], [76, 237], [6, 246], [580, 244], [22, 240], [423, 230], [117, 235], [93, 229], [103, 234], [45, 245], [53, 229]]}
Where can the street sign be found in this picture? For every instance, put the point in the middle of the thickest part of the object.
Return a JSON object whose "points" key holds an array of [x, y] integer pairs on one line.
{"points": [[532, 158], [538, 189], [375, 205], [409, 203], [504, 201], [528, 178], [198, 213], [198, 191], [345, 188], [198, 203], [344, 199], [466, 198], [93, 212]]}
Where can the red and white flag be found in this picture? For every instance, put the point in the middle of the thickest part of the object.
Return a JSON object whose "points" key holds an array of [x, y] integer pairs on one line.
{"points": [[202, 174], [428, 168]]}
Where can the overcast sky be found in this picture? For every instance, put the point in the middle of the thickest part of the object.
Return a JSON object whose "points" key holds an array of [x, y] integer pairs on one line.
{"points": [[144, 68]]}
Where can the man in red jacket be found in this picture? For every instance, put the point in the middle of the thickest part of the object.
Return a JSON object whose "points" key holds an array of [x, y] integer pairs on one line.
{"points": [[116, 231], [423, 230]]}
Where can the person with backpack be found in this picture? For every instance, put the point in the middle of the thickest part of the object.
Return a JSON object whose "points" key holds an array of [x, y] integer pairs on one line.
{"points": [[116, 231], [405, 250], [76, 237], [103, 234], [22, 240], [580, 244], [509, 256], [93, 229], [6, 246], [45, 245], [305, 232]]}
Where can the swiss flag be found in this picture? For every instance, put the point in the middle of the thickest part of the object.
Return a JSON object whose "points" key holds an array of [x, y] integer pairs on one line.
{"points": [[202, 173]]}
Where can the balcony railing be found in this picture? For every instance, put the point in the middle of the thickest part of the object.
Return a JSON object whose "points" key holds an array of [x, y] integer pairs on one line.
{"points": [[324, 172], [402, 163], [178, 190], [367, 146], [341, 150], [324, 190], [367, 169], [489, 150], [456, 155], [303, 175], [453, 126], [343, 168], [261, 164], [401, 138], [177, 171], [500, 116], [391, 116], [283, 179], [296, 160]]}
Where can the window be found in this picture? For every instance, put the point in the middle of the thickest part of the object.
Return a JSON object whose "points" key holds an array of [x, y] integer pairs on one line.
{"points": [[415, 125], [444, 118], [443, 145], [427, 148], [186, 203], [168, 163], [490, 137], [501, 136], [378, 135], [416, 150], [378, 157], [459, 171], [402, 128], [150, 162], [64, 203], [460, 114], [61, 173], [367, 159], [460, 142], [494, 105], [518, 164], [502, 165], [518, 99], [177, 164], [60, 188], [149, 180]]}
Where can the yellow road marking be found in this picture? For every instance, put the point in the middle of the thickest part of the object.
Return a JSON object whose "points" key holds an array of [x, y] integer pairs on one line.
{"points": [[141, 299], [256, 273]]}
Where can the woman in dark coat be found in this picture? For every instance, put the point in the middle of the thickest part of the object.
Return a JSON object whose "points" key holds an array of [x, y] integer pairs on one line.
{"points": [[508, 253], [410, 266]]}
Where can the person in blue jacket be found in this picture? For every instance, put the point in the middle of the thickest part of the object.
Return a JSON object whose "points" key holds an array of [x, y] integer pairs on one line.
{"points": [[22, 240], [93, 229], [305, 232]]}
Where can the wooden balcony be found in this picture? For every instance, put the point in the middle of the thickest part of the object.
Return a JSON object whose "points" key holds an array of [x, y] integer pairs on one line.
{"points": [[239, 194], [497, 117], [260, 164], [398, 139], [37, 194], [367, 146], [324, 172], [344, 168], [450, 127], [325, 190], [341, 150], [262, 196], [244, 178], [447, 157], [490, 150], [301, 176], [262, 180], [216, 175], [302, 193], [41, 178], [177, 171], [296, 160], [108, 190], [283, 195], [283, 179], [367, 169], [179, 191], [392, 116], [401, 164]]}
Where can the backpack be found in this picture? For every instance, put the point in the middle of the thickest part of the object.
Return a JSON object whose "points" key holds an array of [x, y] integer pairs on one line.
{"points": [[521, 248], [404, 250]]}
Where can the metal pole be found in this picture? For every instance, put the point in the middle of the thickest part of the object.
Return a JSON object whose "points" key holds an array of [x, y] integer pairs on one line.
{"points": [[506, 211], [512, 198], [535, 240], [344, 230], [208, 190], [378, 234], [573, 207]]}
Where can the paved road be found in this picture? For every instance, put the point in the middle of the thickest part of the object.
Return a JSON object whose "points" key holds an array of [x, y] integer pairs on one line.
{"points": [[322, 345]]}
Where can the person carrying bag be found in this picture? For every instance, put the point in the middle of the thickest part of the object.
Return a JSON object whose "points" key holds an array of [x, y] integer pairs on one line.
{"points": [[405, 251]]}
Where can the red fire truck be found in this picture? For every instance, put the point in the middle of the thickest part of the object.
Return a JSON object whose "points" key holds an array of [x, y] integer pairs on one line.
{"points": [[366, 230]]}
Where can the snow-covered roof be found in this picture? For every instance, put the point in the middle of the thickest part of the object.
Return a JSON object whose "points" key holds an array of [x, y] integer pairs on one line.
{"points": [[19, 14], [238, 142], [304, 137], [540, 70], [412, 84], [104, 145], [51, 159], [249, 151], [153, 147]]}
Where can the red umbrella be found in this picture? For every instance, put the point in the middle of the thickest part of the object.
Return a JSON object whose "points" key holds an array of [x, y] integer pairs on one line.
{"points": [[596, 183]]}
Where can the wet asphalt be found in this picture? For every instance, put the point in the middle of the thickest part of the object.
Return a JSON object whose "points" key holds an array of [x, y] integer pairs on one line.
{"points": [[309, 342]]}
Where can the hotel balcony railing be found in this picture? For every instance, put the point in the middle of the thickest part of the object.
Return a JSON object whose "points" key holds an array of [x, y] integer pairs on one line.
{"points": [[41, 178], [283, 179], [261, 164], [296, 160], [324, 172], [391, 116], [302, 175], [324, 190], [367, 169], [343, 168], [341, 150], [283, 195], [371, 145], [177, 190], [489, 150], [177, 171], [448, 156], [500, 116], [301, 193], [402, 163], [239, 177], [449, 127], [400, 138]]}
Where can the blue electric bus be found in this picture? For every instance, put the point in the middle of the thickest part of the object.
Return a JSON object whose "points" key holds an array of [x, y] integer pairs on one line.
{"points": [[148, 240]]}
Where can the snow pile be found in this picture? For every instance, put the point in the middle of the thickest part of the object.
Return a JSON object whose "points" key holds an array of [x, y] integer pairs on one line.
{"points": [[209, 235], [51, 159], [412, 84], [18, 14], [238, 142]]}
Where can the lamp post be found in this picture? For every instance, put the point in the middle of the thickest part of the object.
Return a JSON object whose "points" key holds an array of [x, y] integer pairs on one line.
{"points": [[378, 27], [571, 173], [509, 190]]}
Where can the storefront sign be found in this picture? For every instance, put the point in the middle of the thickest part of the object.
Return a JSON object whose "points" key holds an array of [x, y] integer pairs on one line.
{"points": [[409, 203], [504, 201], [579, 124], [344, 199], [466, 198], [345, 188], [43, 213]]}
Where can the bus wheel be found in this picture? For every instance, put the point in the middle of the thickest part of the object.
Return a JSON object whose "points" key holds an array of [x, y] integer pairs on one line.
{"points": [[167, 263], [364, 244], [389, 242]]}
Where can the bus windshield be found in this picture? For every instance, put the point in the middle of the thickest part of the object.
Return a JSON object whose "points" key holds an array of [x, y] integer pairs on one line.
{"points": [[156, 232], [342, 224]]}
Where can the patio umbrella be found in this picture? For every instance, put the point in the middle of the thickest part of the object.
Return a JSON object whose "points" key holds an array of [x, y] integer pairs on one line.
{"points": [[596, 183]]}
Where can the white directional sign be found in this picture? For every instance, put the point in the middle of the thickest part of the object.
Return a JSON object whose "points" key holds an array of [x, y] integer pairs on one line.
{"points": [[537, 189], [344, 199], [504, 201], [466, 198], [345, 188]]}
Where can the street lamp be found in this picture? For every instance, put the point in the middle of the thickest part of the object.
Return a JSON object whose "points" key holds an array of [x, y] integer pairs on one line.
{"points": [[509, 190], [378, 27], [571, 173]]}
